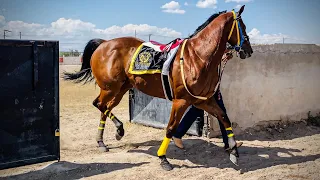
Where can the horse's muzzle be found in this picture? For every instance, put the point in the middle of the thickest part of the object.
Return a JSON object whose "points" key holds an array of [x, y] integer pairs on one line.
{"points": [[244, 54]]}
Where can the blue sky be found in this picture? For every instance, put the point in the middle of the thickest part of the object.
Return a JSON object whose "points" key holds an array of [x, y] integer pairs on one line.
{"points": [[296, 20]]}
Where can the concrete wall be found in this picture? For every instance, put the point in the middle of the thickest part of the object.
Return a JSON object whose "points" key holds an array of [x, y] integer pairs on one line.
{"points": [[71, 61], [279, 82]]}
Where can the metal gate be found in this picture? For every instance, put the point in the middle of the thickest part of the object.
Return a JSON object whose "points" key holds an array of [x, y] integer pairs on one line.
{"points": [[155, 112], [29, 102]]}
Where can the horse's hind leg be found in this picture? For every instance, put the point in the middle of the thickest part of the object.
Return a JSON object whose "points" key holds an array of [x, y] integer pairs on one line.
{"points": [[113, 103], [99, 138], [100, 102], [105, 105]]}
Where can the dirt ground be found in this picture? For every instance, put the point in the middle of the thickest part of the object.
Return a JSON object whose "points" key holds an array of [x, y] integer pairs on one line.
{"points": [[292, 153]]}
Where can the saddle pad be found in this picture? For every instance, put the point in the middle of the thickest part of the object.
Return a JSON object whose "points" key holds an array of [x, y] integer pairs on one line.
{"points": [[147, 60], [150, 59]]}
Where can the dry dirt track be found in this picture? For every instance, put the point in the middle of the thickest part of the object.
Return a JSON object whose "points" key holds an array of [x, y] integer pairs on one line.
{"points": [[291, 154]]}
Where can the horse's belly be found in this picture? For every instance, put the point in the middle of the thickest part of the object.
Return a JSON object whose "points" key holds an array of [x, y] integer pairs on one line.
{"points": [[149, 84]]}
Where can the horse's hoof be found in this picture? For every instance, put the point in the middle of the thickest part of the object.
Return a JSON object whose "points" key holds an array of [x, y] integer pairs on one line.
{"points": [[165, 164], [118, 137], [234, 156], [234, 159], [119, 133], [103, 149]]}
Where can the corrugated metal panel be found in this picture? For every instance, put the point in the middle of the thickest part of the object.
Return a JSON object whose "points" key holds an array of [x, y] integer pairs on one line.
{"points": [[152, 111]]}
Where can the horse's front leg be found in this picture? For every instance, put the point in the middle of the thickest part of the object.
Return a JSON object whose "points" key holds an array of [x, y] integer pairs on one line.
{"points": [[212, 107], [179, 106]]}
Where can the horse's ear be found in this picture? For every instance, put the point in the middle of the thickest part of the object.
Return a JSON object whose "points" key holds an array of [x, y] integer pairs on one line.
{"points": [[241, 10]]}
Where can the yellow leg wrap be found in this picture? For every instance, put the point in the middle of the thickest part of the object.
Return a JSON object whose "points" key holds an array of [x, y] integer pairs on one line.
{"points": [[106, 112], [229, 131], [102, 122], [110, 115], [229, 128], [164, 146], [100, 127]]}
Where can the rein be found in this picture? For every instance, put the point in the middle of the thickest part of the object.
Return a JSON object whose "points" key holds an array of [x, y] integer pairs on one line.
{"points": [[223, 61]]}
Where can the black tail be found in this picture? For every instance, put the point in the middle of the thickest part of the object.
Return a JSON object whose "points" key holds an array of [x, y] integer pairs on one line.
{"points": [[85, 72]]}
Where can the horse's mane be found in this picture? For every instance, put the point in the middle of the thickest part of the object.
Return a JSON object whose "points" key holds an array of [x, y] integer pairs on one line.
{"points": [[205, 24]]}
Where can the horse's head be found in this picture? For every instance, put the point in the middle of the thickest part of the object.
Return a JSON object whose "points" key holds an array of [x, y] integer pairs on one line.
{"points": [[238, 37]]}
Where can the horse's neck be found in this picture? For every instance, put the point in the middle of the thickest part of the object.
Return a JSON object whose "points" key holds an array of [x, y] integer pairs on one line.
{"points": [[210, 43], [207, 48]]}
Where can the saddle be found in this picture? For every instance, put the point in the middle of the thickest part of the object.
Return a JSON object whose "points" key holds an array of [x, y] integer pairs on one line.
{"points": [[153, 57], [167, 47], [150, 56]]}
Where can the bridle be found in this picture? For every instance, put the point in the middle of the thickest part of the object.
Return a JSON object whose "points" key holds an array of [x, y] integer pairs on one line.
{"points": [[240, 37]]}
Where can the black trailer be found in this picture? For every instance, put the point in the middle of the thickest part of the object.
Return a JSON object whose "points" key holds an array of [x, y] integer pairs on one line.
{"points": [[29, 102]]}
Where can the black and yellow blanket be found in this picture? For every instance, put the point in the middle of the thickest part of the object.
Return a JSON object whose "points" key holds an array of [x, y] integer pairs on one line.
{"points": [[146, 60]]}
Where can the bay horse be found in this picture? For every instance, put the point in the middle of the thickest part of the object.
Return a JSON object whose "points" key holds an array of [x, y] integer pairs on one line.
{"points": [[194, 75]]}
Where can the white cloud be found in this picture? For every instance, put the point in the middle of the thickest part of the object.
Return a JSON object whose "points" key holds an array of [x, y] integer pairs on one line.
{"points": [[172, 7], [63, 25], [2, 21], [174, 11], [74, 33], [207, 4], [238, 1], [186, 4], [257, 38], [237, 7]]}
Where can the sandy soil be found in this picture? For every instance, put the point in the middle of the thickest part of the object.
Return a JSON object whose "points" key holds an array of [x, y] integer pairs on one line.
{"points": [[293, 153]]}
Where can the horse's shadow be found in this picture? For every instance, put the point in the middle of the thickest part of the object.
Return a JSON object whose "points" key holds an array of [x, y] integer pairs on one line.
{"points": [[68, 170], [206, 154]]}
